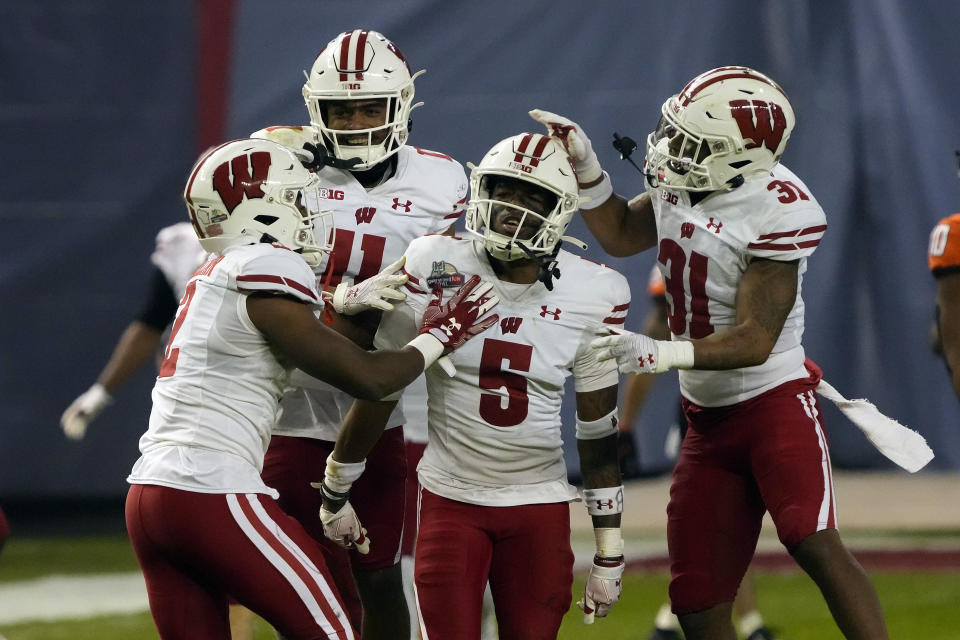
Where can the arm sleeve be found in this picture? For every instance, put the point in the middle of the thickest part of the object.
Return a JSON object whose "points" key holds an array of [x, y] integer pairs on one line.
{"points": [[282, 272], [789, 237], [161, 305]]}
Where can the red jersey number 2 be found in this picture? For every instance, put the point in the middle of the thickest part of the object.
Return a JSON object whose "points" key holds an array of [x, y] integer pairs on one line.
{"points": [[169, 366]]}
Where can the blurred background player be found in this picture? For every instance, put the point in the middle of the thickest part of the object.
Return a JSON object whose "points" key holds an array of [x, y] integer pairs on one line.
{"points": [[493, 483], [177, 255], [383, 194], [733, 229], [637, 387], [944, 261], [200, 518]]}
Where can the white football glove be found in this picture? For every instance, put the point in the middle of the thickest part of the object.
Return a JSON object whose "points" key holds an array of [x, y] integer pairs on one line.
{"points": [[575, 141], [372, 293], [84, 410], [637, 353], [342, 526], [603, 588]]}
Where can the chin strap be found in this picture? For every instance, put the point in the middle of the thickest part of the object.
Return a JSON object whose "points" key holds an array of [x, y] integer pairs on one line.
{"points": [[547, 263], [321, 158]]}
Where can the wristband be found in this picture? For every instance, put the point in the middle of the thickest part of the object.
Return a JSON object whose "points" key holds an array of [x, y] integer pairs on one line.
{"points": [[428, 346], [609, 542], [674, 355], [593, 197], [596, 429], [340, 476], [604, 501]]}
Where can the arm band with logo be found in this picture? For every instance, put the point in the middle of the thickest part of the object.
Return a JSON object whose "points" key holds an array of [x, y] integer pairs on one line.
{"points": [[604, 501], [599, 428], [593, 197]]}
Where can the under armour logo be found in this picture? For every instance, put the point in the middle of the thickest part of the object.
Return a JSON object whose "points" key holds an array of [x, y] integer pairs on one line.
{"points": [[450, 327], [544, 312], [560, 131], [686, 230], [714, 225], [602, 504], [647, 360], [406, 205]]}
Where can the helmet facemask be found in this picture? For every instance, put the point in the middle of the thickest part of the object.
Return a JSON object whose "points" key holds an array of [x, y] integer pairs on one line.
{"points": [[528, 233], [726, 125], [361, 65], [253, 191]]}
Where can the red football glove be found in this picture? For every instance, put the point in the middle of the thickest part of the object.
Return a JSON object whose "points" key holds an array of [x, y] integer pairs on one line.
{"points": [[462, 316]]}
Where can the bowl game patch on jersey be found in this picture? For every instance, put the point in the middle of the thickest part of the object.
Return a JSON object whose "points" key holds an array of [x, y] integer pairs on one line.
{"points": [[444, 274]]}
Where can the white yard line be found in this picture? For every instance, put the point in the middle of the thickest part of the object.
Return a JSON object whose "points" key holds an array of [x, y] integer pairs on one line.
{"points": [[61, 596]]}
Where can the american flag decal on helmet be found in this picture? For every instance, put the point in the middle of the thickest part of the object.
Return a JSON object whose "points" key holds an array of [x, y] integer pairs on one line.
{"points": [[535, 143], [353, 58]]}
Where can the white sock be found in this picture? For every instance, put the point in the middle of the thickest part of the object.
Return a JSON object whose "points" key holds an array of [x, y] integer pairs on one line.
{"points": [[750, 623], [665, 619]]}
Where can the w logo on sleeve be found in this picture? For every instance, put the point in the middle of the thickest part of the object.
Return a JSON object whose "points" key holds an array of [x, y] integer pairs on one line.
{"points": [[760, 122], [243, 183]]}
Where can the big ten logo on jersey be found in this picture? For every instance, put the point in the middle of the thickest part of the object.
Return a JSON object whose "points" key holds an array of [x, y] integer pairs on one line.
{"points": [[331, 194], [669, 196], [444, 274]]}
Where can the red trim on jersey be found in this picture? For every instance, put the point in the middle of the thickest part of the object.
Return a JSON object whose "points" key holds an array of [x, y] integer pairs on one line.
{"points": [[293, 284], [453, 216], [613, 320], [621, 307], [293, 561], [783, 247], [796, 232]]}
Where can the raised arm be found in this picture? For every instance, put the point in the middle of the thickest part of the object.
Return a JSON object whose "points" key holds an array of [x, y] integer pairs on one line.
{"points": [[622, 228]]}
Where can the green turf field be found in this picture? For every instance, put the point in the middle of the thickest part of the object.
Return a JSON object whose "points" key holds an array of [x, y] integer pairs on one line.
{"points": [[917, 605]]}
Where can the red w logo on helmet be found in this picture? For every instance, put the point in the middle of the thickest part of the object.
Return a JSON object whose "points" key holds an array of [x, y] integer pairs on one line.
{"points": [[760, 122], [232, 191]]}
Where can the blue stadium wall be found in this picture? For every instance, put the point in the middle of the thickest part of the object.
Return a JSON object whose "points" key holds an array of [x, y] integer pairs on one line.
{"points": [[104, 104]]}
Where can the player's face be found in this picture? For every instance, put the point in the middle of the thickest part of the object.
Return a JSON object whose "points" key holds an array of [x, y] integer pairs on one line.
{"points": [[355, 115], [506, 219]]}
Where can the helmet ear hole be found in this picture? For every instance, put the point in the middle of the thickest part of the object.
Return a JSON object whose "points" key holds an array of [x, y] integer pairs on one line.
{"points": [[266, 220]]}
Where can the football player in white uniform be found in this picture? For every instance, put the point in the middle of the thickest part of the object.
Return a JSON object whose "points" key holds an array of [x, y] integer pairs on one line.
{"points": [[733, 230], [494, 491], [383, 193], [177, 255], [200, 518]]}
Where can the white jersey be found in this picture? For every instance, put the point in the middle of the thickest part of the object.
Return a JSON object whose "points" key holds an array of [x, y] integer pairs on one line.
{"points": [[703, 253], [426, 194], [494, 428], [178, 254], [218, 390]]}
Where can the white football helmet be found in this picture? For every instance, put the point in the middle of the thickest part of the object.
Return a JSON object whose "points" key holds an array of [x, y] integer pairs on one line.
{"points": [[361, 65], [536, 159], [250, 191], [726, 125]]}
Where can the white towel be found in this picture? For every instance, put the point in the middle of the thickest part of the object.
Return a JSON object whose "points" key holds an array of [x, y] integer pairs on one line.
{"points": [[904, 446]]}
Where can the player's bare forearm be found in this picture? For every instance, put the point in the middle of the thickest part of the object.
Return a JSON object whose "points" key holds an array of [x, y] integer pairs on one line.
{"points": [[948, 303], [359, 328], [136, 345], [599, 466], [293, 330], [361, 428], [767, 292], [622, 228]]}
